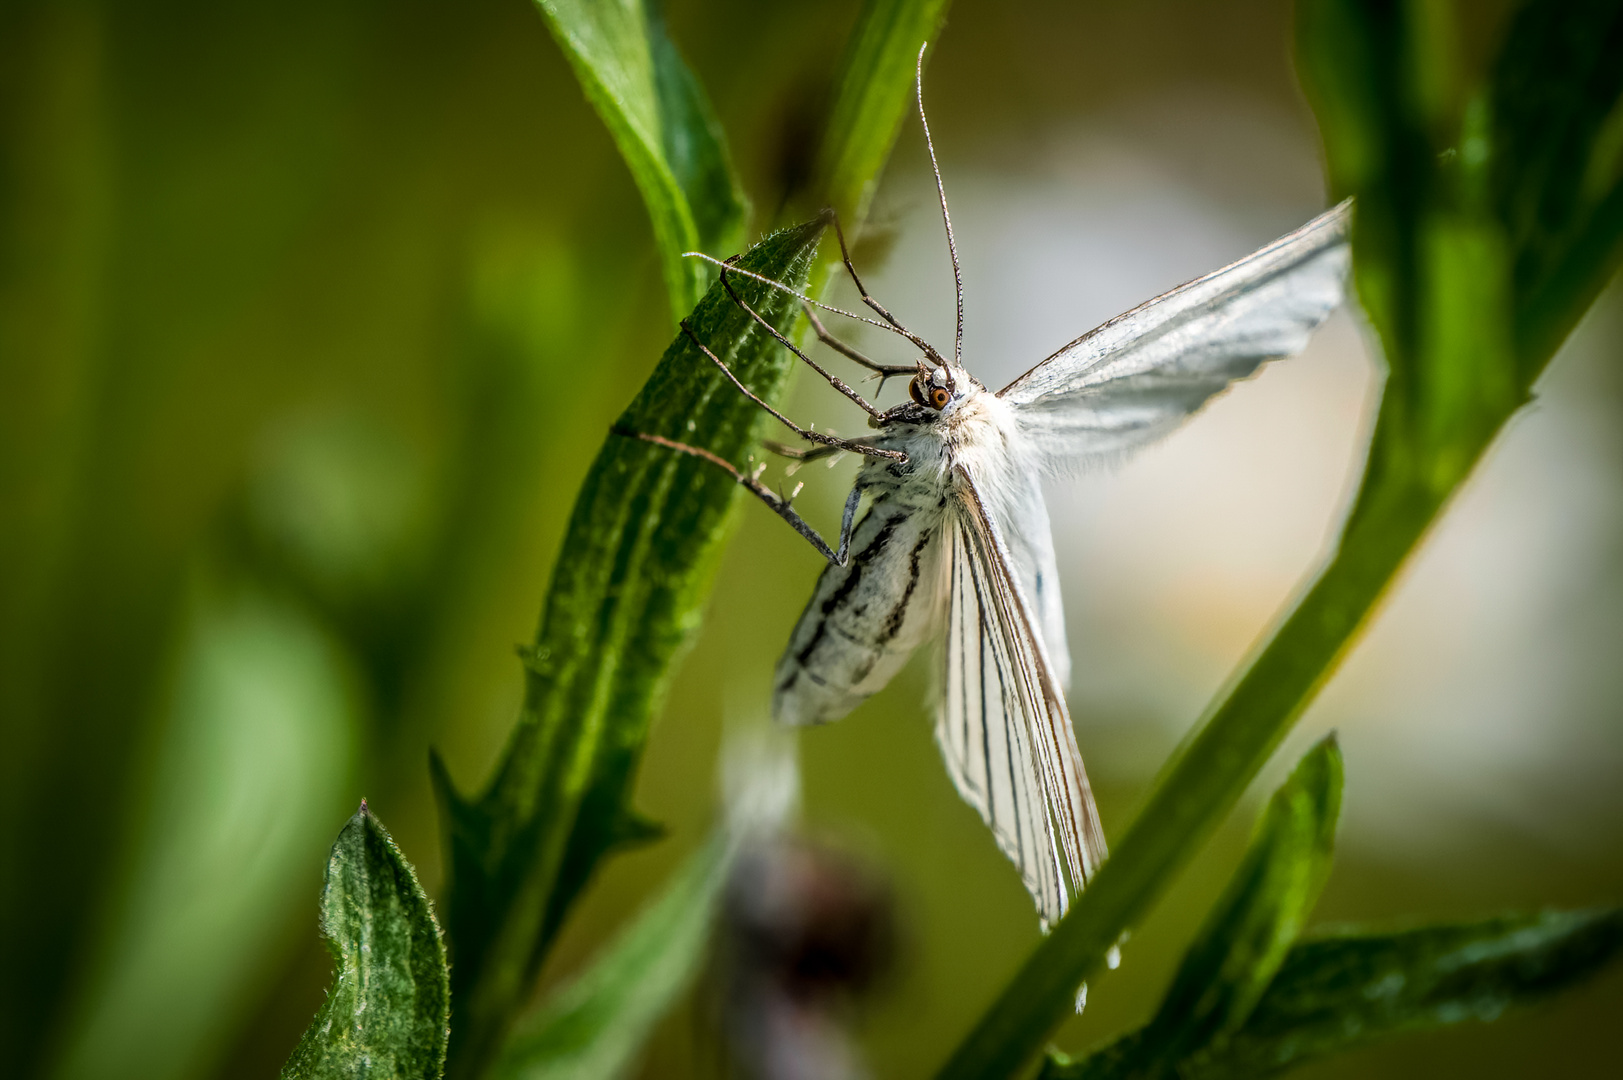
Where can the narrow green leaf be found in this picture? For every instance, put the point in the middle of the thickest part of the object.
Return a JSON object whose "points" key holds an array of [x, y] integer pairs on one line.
{"points": [[1247, 934], [388, 1011], [1245, 937], [1341, 992], [594, 1028], [665, 129], [873, 93], [625, 599], [260, 729], [1430, 268]]}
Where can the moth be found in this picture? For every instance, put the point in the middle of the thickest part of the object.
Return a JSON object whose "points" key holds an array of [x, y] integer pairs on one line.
{"points": [[945, 532]]}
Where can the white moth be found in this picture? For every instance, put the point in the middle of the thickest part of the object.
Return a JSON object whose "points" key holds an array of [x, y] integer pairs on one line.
{"points": [[953, 535]]}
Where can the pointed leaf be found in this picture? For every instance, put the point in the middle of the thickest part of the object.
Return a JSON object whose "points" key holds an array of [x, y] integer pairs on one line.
{"points": [[1342, 992], [388, 1010], [594, 1028], [665, 129], [625, 598], [1247, 934]]}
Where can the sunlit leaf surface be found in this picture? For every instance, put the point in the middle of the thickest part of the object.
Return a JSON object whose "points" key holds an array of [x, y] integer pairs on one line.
{"points": [[387, 1012]]}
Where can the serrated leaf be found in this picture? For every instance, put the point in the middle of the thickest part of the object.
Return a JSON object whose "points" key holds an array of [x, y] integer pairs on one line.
{"points": [[872, 95], [665, 130], [1244, 938], [387, 1012], [594, 1027], [625, 598], [1342, 992], [1431, 259]]}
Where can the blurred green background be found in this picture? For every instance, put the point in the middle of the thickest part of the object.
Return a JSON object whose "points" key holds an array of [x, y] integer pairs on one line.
{"points": [[312, 317]]}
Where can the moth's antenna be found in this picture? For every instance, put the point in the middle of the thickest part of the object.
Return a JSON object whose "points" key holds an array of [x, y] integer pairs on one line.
{"points": [[952, 246], [894, 328]]}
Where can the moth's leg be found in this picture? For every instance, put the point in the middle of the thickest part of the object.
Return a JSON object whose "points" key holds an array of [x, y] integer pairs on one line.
{"points": [[854, 446], [884, 371], [831, 378], [889, 324], [880, 309], [801, 454], [779, 504]]}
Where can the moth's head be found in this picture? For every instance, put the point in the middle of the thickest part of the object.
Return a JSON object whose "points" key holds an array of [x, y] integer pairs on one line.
{"points": [[936, 388]]}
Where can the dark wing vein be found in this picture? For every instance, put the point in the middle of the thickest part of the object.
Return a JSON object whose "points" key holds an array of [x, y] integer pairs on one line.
{"points": [[1031, 790]]}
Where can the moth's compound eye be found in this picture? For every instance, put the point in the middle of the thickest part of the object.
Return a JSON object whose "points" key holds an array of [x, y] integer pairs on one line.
{"points": [[939, 397]]}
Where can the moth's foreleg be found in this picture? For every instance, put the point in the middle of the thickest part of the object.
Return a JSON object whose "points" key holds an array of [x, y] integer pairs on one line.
{"points": [[854, 446], [884, 371], [828, 376], [778, 503]]}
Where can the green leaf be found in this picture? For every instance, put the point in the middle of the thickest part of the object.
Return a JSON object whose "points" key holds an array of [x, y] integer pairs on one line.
{"points": [[1556, 174], [665, 129], [625, 599], [388, 1011], [1247, 934], [594, 1027], [1345, 991], [260, 730], [1245, 937], [1342, 991], [1432, 264], [874, 90]]}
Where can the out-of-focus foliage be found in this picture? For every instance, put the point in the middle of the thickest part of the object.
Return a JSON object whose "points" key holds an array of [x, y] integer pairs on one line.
{"points": [[239, 804], [388, 1012], [1340, 992], [1487, 220], [594, 1027], [871, 97], [665, 129]]}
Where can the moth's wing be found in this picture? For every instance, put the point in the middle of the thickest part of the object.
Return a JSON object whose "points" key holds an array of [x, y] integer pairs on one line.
{"points": [[1002, 724], [1136, 377], [1030, 541]]}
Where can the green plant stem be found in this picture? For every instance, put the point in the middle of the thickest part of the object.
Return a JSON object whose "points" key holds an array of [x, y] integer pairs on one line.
{"points": [[1206, 780]]}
